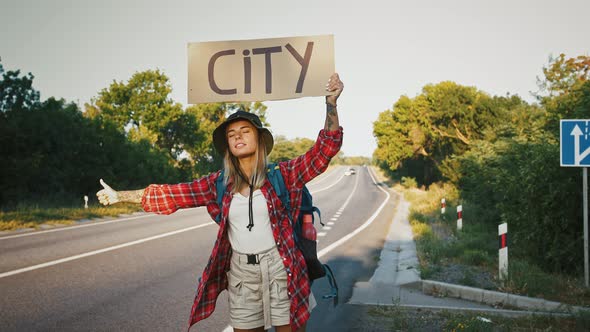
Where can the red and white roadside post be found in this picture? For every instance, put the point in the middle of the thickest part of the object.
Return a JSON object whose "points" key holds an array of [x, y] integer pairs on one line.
{"points": [[443, 206], [459, 217], [503, 251]]}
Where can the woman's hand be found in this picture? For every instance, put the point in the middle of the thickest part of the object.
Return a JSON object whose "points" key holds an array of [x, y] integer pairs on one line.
{"points": [[107, 196], [335, 86]]}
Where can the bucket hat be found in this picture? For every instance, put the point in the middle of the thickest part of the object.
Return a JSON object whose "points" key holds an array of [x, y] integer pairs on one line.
{"points": [[219, 137]]}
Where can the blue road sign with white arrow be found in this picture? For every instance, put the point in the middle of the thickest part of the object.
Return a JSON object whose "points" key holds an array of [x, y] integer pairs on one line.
{"points": [[574, 143]]}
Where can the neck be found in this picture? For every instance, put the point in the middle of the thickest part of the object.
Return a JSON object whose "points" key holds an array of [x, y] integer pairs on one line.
{"points": [[247, 164]]}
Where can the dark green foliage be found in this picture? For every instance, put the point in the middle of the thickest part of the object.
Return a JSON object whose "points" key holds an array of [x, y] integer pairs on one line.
{"points": [[520, 183], [408, 182], [16, 93], [142, 107], [419, 134], [341, 159], [515, 176], [475, 257], [503, 155], [528, 279], [52, 154], [285, 149]]}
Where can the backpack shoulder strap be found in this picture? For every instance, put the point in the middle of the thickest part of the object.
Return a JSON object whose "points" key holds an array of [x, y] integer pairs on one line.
{"points": [[220, 186], [278, 184]]}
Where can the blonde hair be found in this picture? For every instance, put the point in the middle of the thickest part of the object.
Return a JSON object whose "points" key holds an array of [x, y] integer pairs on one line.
{"points": [[231, 166]]}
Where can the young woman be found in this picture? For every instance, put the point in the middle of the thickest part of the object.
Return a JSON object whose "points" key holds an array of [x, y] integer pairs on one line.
{"points": [[255, 257]]}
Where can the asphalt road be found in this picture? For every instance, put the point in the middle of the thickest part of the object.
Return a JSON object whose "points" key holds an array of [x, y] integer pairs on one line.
{"points": [[140, 273]]}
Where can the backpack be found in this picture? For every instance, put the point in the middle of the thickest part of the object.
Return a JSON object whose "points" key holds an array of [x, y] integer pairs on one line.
{"points": [[315, 269]]}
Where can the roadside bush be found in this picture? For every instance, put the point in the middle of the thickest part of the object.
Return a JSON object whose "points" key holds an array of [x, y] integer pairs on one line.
{"points": [[408, 182], [475, 257], [527, 279], [519, 182], [53, 155], [429, 246], [427, 203]]}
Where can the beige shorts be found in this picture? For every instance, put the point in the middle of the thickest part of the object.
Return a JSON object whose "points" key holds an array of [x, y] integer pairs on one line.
{"points": [[258, 292]]}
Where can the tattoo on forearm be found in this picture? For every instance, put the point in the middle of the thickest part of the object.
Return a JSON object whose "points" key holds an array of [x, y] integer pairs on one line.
{"points": [[330, 109], [329, 122], [132, 196], [332, 122]]}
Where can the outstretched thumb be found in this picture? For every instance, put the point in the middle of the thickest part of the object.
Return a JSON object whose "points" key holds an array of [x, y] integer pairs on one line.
{"points": [[104, 185]]}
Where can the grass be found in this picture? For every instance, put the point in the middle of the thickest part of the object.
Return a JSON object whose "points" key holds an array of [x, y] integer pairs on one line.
{"points": [[33, 216], [479, 322], [395, 318], [475, 249]]}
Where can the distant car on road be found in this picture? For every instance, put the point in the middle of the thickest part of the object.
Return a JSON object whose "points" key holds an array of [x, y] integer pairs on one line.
{"points": [[350, 171]]}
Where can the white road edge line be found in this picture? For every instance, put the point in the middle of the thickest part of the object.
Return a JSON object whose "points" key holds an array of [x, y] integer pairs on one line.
{"points": [[330, 186], [363, 226], [312, 183], [100, 251], [67, 228], [97, 223]]}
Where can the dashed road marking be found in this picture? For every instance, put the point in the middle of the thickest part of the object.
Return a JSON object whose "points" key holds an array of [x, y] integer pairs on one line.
{"points": [[363, 226]]}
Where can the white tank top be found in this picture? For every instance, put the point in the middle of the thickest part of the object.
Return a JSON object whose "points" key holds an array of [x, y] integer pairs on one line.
{"points": [[241, 239]]}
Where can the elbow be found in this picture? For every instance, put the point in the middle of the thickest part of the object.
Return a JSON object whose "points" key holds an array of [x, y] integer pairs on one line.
{"points": [[160, 209]]}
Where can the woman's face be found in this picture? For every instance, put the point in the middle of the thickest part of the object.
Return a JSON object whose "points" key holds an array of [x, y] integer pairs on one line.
{"points": [[242, 138]]}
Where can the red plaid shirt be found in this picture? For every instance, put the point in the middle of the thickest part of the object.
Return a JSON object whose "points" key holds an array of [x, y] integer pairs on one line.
{"points": [[166, 199]]}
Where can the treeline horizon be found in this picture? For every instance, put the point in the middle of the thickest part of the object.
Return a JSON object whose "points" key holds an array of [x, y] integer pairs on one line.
{"points": [[131, 134]]}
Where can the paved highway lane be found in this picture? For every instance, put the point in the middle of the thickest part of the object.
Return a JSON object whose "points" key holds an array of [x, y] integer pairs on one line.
{"points": [[356, 258], [140, 273]]}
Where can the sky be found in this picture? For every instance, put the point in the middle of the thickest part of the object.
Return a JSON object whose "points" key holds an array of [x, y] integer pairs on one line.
{"points": [[383, 49]]}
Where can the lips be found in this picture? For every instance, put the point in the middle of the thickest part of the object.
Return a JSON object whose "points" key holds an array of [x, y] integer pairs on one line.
{"points": [[239, 145]]}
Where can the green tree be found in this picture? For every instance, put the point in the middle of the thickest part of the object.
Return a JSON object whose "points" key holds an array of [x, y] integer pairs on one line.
{"points": [[420, 133], [563, 75], [16, 93], [522, 121], [67, 153], [357, 160], [285, 149], [563, 90], [143, 109], [53, 155]]}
